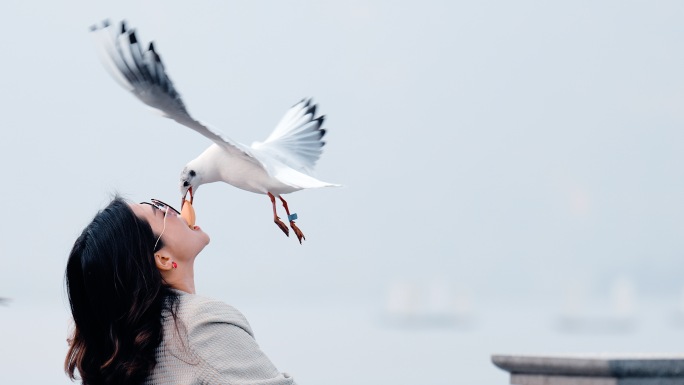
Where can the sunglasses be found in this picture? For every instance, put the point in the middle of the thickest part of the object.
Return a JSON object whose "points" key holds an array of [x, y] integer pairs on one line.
{"points": [[156, 203], [161, 206]]}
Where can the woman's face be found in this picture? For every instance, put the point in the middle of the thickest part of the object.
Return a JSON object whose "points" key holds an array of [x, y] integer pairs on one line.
{"points": [[181, 241]]}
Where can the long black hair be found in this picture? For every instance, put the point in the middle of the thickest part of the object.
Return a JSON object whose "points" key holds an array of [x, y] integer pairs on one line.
{"points": [[117, 295]]}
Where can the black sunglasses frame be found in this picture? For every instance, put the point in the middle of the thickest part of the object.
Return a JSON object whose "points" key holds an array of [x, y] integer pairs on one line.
{"points": [[157, 203]]}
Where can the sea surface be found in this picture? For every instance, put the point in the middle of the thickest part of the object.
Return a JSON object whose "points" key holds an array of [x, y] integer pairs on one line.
{"points": [[337, 345]]}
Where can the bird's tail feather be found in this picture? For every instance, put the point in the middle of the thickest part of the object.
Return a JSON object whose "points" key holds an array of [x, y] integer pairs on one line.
{"points": [[297, 179]]}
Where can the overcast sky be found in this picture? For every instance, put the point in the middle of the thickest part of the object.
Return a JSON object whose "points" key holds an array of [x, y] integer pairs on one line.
{"points": [[512, 148], [520, 152]]}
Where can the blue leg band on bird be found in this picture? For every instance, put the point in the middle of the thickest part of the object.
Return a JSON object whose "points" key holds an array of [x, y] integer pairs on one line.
{"points": [[292, 217]]}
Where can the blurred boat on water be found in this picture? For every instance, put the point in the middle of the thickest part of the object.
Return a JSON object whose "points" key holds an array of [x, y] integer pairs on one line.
{"points": [[435, 304], [583, 314]]}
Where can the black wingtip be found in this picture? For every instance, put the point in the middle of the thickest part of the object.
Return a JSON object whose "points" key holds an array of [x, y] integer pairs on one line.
{"points": [[123, 26], [132, 38], [322, 131], [95, 27], [151, 47]]}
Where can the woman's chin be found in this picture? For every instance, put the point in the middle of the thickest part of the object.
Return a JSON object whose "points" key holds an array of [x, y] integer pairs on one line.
{"points": [[197, 237], [206, 237]]}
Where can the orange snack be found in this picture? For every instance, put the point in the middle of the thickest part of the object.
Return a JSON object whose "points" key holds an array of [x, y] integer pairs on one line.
{"points": [[188, 213]]}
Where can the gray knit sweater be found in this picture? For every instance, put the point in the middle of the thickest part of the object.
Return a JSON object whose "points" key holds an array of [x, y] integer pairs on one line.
{"points": [[212, 343]]}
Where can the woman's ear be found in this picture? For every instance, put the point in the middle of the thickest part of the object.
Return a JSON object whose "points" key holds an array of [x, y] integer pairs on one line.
{"points": [[163, 262]]}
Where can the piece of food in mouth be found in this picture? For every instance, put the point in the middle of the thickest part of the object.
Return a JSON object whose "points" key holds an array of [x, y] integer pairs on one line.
{"points": [[188, 213]]}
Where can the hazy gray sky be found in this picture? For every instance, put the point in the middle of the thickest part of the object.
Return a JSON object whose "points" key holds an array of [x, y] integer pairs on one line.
{"points": [[513, 149], [508, 147]]}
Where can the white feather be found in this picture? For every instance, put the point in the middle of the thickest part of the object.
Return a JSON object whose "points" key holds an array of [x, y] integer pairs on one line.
{"points": [[281, 164]]}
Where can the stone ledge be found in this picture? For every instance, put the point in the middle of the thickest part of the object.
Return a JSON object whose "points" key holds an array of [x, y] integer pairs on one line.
{"points": [[593, 369], [542, 379]]}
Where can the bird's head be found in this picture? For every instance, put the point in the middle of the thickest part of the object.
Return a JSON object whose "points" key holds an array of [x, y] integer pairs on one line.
{"points": [[189, 182]]}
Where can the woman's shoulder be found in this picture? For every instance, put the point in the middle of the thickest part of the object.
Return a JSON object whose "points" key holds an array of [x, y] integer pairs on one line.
{"points": [[196, 310]]}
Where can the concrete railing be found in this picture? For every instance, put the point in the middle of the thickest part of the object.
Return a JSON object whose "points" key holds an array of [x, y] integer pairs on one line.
{"points": [[593, 369]]}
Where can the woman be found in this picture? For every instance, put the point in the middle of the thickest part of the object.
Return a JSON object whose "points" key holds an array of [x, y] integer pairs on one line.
{"points": [[137, 319]]}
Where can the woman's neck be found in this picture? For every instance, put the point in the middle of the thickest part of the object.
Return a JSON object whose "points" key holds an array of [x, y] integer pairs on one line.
{"points": [[182, 278]]}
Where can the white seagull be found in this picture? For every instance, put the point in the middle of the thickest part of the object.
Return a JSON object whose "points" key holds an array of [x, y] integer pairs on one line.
{"points": [[279, 165]]}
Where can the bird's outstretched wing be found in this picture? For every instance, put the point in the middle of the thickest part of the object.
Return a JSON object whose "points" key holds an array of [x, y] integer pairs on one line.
{"points": [[143, 74], [297, 140]]}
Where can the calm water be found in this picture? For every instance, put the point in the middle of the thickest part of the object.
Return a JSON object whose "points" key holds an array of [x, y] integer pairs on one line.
{"points": [[359, 345]]}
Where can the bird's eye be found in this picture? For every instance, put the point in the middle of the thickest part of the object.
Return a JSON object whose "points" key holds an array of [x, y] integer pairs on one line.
{"points": [[192, 173], [186, 184]]}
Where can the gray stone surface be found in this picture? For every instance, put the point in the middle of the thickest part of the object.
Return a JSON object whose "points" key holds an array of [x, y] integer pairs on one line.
{"points": [[542, 379], [593, 369]]}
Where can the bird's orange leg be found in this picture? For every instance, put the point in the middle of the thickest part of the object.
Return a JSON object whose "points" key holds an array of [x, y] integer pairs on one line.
{"points": [[276, 219], [291, 218]]}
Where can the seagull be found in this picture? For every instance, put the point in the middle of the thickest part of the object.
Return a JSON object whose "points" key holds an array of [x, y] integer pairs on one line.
{"points": [[281, 164]]}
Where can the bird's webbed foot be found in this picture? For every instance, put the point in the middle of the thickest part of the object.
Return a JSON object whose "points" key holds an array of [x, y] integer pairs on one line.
{"points": [[282, 226], [297, 232]]}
